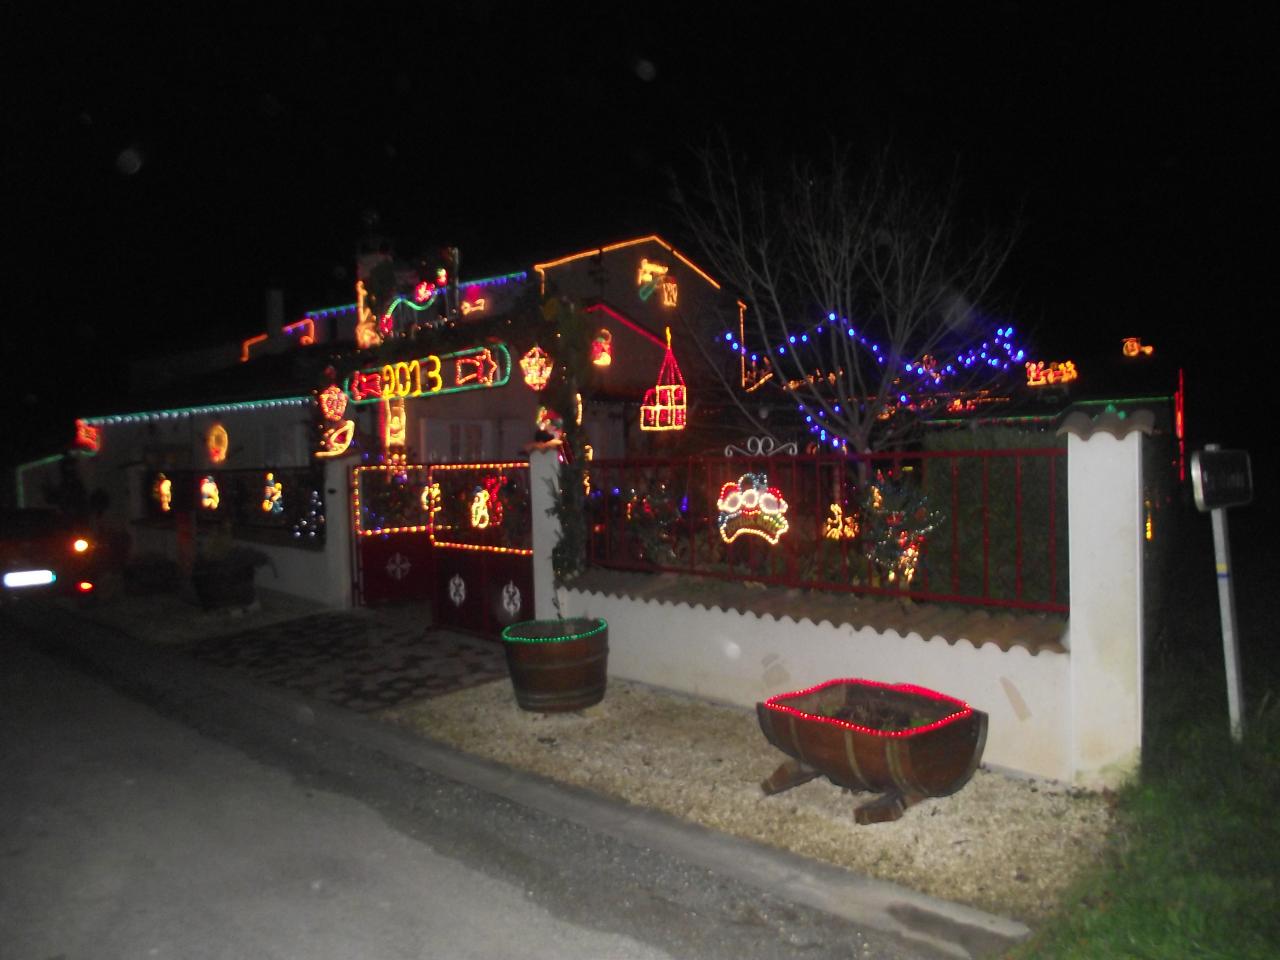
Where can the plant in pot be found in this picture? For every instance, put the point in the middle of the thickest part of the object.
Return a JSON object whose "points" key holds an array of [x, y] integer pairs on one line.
{"points": [[223, 572], [562, 664]]}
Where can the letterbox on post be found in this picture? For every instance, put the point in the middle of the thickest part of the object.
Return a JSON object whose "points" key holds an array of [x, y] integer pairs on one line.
{"points": [[1221, 479]]}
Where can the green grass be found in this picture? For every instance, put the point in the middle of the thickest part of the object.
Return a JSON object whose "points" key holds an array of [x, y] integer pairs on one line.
{"points": [[1194, 866]]}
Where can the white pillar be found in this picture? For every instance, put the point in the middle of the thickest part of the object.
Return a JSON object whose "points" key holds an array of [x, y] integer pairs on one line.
{"points": [[544, 487], [1105, 520], [338, 556]]}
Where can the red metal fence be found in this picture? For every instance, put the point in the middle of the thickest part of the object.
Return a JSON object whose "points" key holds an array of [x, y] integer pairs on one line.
{"points": [[975, 527]]}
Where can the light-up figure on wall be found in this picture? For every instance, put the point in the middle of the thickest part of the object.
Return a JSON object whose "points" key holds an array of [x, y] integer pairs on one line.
{"points": [[367, 332], [209, 498], [652, 276], [751, 506], [163, 492], [602, 348], [272, 495], [839, 526], [87, 437]]}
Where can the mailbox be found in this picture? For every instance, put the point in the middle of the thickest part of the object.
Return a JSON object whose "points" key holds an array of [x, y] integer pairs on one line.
{"points": [[1221, 478]]}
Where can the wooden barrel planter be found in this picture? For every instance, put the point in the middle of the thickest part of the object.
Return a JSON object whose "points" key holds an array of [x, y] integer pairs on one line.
{"points": [[901, 741], [558, 665]]}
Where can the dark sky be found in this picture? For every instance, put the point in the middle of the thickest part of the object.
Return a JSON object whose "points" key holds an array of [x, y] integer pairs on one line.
{"points": [[164, 168]]}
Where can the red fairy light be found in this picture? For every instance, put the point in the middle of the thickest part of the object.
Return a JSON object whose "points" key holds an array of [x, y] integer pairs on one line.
{"points": [[664, 406], [963, 710]]}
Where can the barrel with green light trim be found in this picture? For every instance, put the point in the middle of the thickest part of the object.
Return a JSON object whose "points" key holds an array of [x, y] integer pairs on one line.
{"points": [[558, 665]]}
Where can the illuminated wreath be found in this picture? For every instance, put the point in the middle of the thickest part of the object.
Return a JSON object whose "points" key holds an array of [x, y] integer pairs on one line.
{"points": [[752, 506]]}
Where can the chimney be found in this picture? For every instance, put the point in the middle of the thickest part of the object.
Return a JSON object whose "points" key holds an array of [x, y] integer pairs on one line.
{"points": [[275, 313]]}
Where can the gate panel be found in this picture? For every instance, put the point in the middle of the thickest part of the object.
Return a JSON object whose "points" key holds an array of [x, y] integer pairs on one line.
{"points": [[481, 531], [393, 546]]}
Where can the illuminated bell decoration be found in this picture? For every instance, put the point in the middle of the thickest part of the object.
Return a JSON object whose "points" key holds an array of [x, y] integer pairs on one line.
{"points": [[664, 406], [753, 507], [216, 443], [209, 493], [602, 348], [272, 495], [537, 368], [1134, 347]]}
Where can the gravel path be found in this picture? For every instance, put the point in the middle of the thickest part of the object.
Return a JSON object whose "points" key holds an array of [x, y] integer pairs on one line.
{"points": [[1007, 845]]}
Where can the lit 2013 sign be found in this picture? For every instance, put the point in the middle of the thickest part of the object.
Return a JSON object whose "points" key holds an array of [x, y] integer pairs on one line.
{"points": [[476, 368]]}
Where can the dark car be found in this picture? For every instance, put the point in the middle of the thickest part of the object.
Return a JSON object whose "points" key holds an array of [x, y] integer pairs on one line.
{"points": [[44, 552]]}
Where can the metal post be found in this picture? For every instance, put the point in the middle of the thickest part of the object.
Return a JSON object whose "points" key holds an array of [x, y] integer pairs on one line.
{"points": [[1227, 608]]}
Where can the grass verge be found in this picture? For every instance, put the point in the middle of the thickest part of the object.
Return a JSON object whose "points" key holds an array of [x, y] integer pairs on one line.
{"points": [[1193, 869]]}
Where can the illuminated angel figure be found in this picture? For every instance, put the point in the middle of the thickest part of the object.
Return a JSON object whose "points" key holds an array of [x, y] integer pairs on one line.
{"points": [[752, 506]]}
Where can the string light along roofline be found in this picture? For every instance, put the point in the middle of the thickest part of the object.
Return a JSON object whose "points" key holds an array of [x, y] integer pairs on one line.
{"points": [[197, 411], [542, 268]]}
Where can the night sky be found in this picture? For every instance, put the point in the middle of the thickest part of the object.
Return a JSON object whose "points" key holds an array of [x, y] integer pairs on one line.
{"points": [[164, 168]]}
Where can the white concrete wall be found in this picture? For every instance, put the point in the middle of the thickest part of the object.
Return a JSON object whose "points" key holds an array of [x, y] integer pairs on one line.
{"points": [[1105, 632], [742, 658], [1074, 717]]}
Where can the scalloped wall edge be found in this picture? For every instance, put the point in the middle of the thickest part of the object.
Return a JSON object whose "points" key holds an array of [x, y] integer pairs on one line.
{"points": [[1004, 645], [1080, 424]]}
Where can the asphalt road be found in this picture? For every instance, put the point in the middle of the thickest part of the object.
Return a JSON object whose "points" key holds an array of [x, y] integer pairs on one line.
{"points": [[182, 828]]}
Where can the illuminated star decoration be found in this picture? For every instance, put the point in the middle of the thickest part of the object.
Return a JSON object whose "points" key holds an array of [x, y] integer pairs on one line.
{"points": [[752, 506]]}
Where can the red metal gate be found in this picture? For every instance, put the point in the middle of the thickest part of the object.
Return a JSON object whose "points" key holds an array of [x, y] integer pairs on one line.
{"points": [[455, 535]]}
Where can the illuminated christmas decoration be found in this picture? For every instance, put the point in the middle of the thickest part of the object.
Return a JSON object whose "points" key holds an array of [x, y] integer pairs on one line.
{"points": [[209, 498], [1040, 374], [163, 492], [492, 469], [479, 368], [367, 334], [249, 343], [896, 520], [751, 506], [577, 409], [365, 523], [475, 368], [431, 498], [1134, 347], [664, 405], [840, 527], [962, 710], [311, 523], [87, 437], [334, 442], [649, 277], [272, 495], [602, 348], [424, 292], [333, 402], [537, 367], [670, 291], [393, 425], [549, 422], [217, 442], [486, 507], [304, 328], [473, 306]]}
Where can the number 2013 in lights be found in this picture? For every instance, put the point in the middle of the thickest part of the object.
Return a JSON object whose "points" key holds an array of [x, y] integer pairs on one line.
{"points": [[474, 368]]}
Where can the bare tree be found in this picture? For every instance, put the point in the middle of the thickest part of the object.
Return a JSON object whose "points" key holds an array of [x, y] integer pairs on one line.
{"points": [[863, 299]]}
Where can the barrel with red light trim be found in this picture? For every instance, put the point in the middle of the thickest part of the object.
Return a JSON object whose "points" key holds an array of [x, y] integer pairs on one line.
{"points": [[878, 737]]}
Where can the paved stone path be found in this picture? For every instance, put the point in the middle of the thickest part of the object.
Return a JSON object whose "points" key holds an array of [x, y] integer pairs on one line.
{"points": [[357, 662]]}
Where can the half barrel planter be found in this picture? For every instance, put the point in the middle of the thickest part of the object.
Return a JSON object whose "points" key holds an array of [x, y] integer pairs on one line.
{"points": [[900, 741], [558, 665]]}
